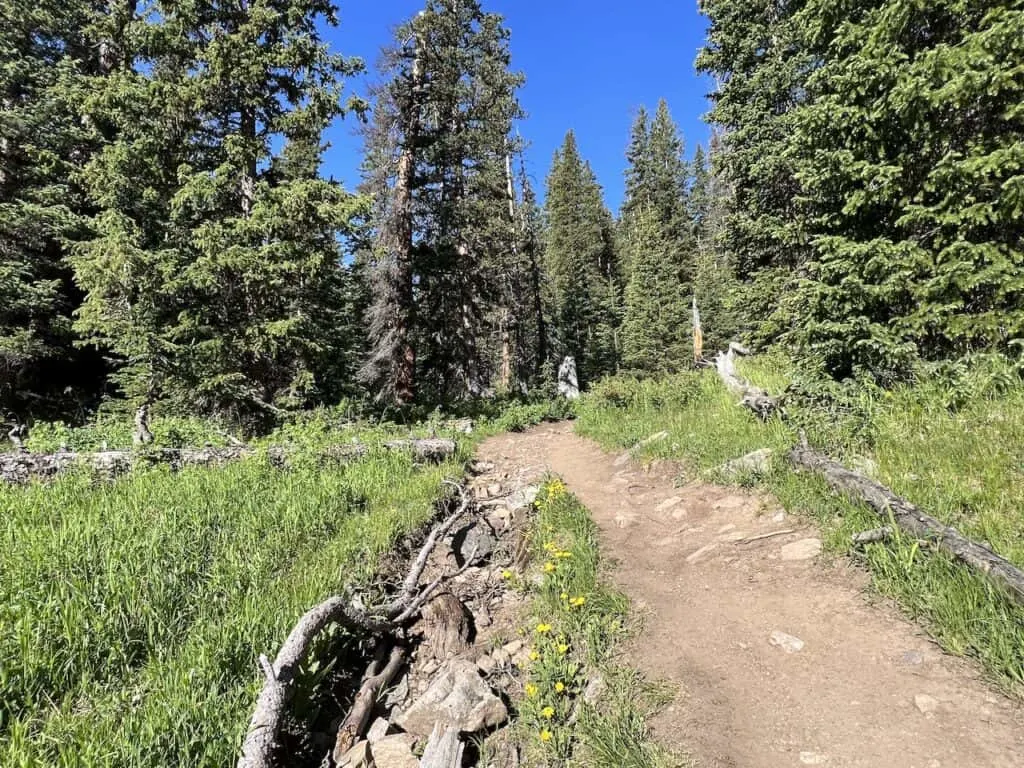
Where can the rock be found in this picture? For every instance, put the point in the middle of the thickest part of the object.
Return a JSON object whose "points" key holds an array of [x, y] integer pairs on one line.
{"points": [[482, 467], [700, 553], [568, 383], [500, 658], [476, 540], [512, 648], [494, 489], [813, 758], [357, 757], [394, 752], [912, 658], [805, 549], [668, 504], [595, 690], [926, 704], [486, 664], [755, 463], [378, 730], [786, 642], [398, 693], [458, 697], [521, 658], [522, 498], [731, 502], [779, 517], [622, 459]]}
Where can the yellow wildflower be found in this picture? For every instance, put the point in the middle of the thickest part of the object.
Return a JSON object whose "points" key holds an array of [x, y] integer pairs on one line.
{"points": [[534, 655], [562, 649], [545, 735], [531, 690], [543, 628], [563, 554], [559, 687], [576, 602], [547, 713], [565, 595], [550, 547], [506, 574], [549, 567]]}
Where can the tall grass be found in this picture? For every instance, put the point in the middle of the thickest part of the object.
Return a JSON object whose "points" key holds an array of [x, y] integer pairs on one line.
{"points": [[958, 457]]}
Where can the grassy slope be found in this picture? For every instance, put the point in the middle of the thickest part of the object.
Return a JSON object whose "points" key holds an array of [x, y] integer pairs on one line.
{"points": [[963, 466], [133, 612]]}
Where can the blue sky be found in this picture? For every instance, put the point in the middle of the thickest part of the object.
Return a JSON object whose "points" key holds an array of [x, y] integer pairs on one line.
{"points": [[589, 64]]}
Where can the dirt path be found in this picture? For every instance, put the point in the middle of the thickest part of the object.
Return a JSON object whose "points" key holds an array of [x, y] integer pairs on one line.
{"points": [[866, 689]]}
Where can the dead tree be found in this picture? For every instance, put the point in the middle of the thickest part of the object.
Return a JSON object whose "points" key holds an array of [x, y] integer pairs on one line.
{"points": [[908, 518], [753, 398]]}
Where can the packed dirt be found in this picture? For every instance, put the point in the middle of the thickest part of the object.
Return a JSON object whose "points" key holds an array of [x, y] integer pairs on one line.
{"points": [[781, 656]]}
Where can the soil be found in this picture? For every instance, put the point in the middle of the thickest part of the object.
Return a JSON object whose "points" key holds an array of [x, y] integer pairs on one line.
{"points": [[867, 688]]}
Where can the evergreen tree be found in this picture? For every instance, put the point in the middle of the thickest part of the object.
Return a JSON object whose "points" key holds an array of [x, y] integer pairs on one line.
{"points": [[909, 152], [42, 144], [582, 266], [656, 327], [215, 259], [437, 159]]}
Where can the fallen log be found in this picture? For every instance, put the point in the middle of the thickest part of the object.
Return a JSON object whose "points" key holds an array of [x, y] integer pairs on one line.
{"points": [[261, 738], [753, 398], [22, 467], [906, 516], [378, 676]]}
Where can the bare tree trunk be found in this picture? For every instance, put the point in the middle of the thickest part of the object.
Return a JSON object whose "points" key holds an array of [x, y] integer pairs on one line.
{"points": [[698, 334]]}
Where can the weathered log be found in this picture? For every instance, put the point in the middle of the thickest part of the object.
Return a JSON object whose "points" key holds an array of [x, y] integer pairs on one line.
{"points": [[272, 703], [751, 397], [378, 676], [873, 536], [892, 508], [444, 749], [21, 467]]}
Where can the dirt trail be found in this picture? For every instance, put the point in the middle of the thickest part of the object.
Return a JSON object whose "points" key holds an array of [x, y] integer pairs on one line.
{"points": [[867, 688]]}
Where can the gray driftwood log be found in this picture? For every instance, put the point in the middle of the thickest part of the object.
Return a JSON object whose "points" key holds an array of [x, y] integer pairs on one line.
{"points": [[909, 518], [751, 397], [21, 467], [261, 739]]}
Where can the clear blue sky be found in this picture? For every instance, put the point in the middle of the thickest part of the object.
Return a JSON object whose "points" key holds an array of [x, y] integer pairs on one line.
{"points": [[588, 64]]}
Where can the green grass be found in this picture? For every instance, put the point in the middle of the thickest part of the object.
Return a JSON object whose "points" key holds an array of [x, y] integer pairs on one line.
{"points": [[133, 612], [576, 628], [959, 458]]}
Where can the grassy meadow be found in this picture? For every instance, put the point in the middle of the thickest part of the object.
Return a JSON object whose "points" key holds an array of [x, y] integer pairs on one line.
{"points": [[954, 446], [133, 611]]}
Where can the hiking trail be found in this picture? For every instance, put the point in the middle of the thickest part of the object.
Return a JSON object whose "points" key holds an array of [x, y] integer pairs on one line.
{"points": [[780, 657]]}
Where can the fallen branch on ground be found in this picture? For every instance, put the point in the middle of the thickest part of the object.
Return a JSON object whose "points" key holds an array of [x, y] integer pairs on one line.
{"points": [[265, 725], [909, 518], [21, 467], [871, 537], [378, 676], [751, 397]]}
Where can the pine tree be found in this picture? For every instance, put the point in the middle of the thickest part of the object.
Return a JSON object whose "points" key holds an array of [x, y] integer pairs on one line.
{"points": [[582, 266], [42, 144], [437, 160], [215, 258]]}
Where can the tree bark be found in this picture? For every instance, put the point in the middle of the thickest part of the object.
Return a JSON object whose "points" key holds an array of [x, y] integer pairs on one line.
{"points": [[978, 557], [21, 467]]}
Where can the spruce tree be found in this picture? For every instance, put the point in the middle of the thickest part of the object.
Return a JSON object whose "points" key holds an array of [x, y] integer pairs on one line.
{"points": [[437, 166], [582, 266], [215, 256]]}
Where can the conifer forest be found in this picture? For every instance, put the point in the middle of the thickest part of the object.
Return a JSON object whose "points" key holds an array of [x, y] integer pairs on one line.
{"points": [[184, 281]]}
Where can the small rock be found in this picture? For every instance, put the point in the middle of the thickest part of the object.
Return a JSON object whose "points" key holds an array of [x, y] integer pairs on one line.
{"points": [[357, 757], [786, 642], [482, 467], [622, 459], [926, 704], [394, 752], [522, 498], [429, 667], [494, 489], [378, 730], [668, 504], [398, 693], [522, 658], [912, 658], [755, 463], [594, 690], [700, 553], [779, 517], [458, 697], [476, 540], [500, 658], [486, 664], [813, 758], [512, 648], [805, 549]]}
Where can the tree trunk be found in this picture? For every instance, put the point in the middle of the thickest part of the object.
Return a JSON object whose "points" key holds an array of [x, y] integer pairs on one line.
{"points": [[978, 557]]}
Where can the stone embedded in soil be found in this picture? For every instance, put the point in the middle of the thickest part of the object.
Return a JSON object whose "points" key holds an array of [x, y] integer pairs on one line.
{"points": [[458, 697], [357, 757], [912, 658], [926, 704], [757, 463], [805, 549], [486, 664], [594, 690], [522, 498], [394, 752], [787, 642], [378, 730], [513, 647], [476, 540], [622, 459], [494, 489], [779, 517]]}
